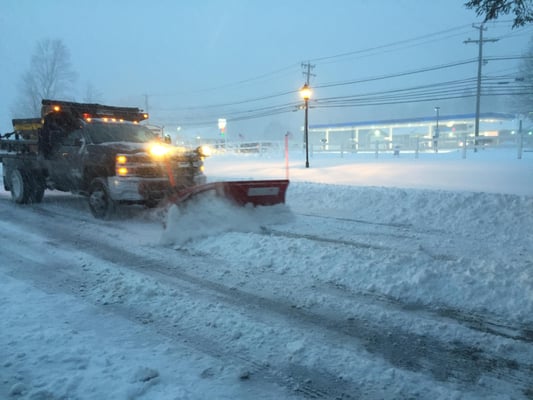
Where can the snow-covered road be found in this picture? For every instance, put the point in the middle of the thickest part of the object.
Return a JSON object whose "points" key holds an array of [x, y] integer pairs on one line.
{"points": [[345, 292]]}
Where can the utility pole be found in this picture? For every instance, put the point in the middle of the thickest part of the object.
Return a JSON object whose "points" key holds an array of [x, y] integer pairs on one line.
{"points": [[146, 108], [307, 71], [520, 139], [480, 42], [437, 133]]}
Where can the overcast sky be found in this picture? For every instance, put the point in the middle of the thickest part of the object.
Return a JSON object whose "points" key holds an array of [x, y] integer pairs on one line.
{"points": [[169, 56]]}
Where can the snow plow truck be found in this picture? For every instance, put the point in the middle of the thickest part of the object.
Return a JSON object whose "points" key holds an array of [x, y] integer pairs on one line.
{"points": [[107, 154]]}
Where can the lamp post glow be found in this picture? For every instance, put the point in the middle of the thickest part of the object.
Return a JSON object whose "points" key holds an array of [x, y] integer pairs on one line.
{"points": [[305, 92], [222, 129]]}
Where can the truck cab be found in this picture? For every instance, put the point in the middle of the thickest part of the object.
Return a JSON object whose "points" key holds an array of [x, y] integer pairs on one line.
{"points": [[102, 152]]}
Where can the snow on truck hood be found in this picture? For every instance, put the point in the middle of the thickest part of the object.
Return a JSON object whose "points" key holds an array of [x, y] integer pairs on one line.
{"points": [[129, 147], [146, 147]]}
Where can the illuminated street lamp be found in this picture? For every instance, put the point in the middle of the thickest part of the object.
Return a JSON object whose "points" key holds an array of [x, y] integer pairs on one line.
{"points": [[222, 129], [305, 92]]}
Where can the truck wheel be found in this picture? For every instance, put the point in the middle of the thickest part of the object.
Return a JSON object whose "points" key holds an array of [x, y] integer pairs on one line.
{"points": [[101, 204], [37, 189], [20, 187], [38, 194]]}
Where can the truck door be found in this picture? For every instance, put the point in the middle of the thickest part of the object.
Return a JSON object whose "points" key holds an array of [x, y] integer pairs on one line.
{"points": [[66, 162]]}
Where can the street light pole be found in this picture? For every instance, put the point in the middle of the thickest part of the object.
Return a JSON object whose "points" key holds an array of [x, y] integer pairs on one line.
{"points": [[436, 135], [305, 92], [306, 133]]}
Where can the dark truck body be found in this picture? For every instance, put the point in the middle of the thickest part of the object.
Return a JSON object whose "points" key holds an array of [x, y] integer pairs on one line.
{"points": [[94, 150]]}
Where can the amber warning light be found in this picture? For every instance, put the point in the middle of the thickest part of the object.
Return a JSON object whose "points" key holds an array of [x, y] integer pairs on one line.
{"points": [[121, 169]]}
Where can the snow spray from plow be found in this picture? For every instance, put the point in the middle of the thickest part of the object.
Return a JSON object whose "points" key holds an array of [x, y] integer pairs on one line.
{"points": [[221, 207]]}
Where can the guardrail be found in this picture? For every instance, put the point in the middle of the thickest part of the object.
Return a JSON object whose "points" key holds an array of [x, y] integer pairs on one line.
{"points": [[422, 146]]}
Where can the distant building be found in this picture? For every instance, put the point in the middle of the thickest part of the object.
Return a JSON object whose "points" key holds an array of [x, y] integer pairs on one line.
{"points": [[410, 133]]}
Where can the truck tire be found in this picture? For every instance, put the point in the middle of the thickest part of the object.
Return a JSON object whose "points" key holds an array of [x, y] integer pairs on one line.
{"points": [[100, 202], [21, 188], [38, 194], [37, 188]]}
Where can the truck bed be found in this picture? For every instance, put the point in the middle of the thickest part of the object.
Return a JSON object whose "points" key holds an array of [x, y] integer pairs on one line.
{"points": [[17, 147]]}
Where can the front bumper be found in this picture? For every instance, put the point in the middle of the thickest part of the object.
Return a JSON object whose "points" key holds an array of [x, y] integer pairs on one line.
{"points": [[143, 189]]}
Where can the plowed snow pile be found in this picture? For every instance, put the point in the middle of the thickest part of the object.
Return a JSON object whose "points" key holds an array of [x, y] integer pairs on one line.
{"points": [[210, 215]]}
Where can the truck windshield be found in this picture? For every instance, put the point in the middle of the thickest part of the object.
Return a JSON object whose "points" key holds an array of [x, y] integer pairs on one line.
{"points": [[110, 132]]}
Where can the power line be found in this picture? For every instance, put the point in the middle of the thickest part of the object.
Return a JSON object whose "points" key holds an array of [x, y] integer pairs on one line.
{"points": [[423, 93], [340, 55], [396, 75], [518, 32], [291, 66], [462, 88], [326, 85], [381, 47], [436, 91], [239, 102], [225, 86], [341, 83], [464, 92]]}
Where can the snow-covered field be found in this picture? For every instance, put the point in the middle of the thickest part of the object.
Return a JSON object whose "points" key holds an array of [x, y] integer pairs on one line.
{"points": [[381, 278]]}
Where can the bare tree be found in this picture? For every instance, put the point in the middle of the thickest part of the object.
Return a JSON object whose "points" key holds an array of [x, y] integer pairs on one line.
{"points": [[92, 94], [50, 76], [492, 9]]}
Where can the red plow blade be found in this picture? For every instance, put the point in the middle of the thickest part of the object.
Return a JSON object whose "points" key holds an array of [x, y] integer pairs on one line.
{"points": [[257, 193]]}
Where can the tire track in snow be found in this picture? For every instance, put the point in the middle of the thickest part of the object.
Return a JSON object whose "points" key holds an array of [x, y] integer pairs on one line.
{"points": [[482, 323], [404, 236]]}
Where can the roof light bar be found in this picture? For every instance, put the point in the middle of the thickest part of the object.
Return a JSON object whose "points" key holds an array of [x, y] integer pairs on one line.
{"points": [[93, 110]]}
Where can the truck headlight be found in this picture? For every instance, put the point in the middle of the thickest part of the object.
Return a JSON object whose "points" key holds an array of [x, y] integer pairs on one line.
{"points": [[159, 150], [204, 151]]}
